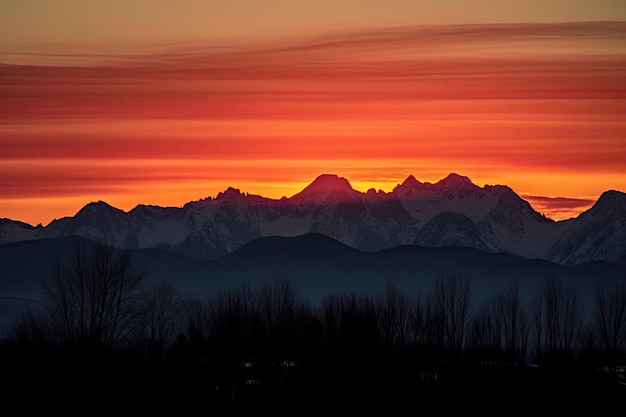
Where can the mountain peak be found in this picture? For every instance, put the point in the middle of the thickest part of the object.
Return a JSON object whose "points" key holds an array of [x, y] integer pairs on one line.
{"points": [[326, 188], [330, 182], [230, 194], [326, 183], [455, 183], [410, 181], [407, 185], [456, 180], [613, 195], [97, 210], [95, 206], [450, 211], [611, 200], [99, 203]]}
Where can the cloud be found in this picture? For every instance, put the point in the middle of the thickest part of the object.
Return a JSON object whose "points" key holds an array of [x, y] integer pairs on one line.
{"points": [[559, 208], [508, 101]]}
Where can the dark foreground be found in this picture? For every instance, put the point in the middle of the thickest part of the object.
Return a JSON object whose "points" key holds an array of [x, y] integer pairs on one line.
{"points": [[73, 384]]}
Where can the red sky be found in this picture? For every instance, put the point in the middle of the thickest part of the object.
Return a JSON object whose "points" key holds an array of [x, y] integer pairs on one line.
{"points": [[536, 106]]}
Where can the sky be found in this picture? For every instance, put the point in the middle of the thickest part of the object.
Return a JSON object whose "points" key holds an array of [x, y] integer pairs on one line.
{"points": [[160, 102]]}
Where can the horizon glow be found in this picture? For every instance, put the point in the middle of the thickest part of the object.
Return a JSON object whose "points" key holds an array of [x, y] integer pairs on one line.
{"points": [[537, 107]]}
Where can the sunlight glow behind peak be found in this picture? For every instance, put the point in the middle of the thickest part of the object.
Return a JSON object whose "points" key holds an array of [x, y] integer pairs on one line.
{"points": [[537, 107]]}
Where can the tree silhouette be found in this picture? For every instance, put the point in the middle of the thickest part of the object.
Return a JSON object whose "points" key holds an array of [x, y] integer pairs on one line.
{"points": [[514, 327], [385, 344], [282, 310], [393, 313], [94, 298], [484, 336], [558, 316], [234, 321], [452, 306], [610, 324], [160, 319]]}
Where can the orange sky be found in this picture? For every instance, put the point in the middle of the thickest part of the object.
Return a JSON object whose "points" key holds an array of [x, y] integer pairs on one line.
{"points": [[538, 107]]}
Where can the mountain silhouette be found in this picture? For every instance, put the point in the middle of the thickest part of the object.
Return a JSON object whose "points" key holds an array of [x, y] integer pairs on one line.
{"points": [[450, 212]]}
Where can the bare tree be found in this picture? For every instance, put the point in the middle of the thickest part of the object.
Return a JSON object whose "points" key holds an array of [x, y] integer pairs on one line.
{"points": [[484, 335], [268, 322], [197, 321], [558, 316], [330, 316], [393, 313], [538, 327], [234, 318], [350, 319], [161, 319], [610, 322], [29, 329], [452, 303], [418, 332], [514, 324], [93, 300], [280, 307]]}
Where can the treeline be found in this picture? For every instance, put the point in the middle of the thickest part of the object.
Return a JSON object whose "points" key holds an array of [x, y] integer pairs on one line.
{"points": [[99, 320]]}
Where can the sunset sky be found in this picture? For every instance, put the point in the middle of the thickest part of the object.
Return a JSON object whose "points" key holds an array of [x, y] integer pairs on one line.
{"points": [[164, 102]]}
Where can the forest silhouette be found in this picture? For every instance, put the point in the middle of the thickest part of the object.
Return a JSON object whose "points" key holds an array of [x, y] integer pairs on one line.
{"points": [[103, 334]]}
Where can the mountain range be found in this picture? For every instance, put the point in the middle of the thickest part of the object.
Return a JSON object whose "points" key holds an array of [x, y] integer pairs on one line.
{"points": [[453, 212], [330, 238]]}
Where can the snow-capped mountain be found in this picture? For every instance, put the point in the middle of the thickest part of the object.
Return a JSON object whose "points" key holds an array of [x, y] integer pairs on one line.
{"points": [[450, 212], [598, 233]]}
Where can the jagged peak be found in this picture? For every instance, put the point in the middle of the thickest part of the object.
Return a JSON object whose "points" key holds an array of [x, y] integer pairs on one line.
{"points": [[409, 183], [498, 187], [374, 194], [230, 193], [151, 208]]}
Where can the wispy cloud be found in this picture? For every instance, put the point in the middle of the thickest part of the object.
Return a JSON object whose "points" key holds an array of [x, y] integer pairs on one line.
{"points": [[511, 103]]}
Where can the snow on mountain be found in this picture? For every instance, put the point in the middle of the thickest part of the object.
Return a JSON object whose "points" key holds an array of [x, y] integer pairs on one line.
{"points": [[156, 226], [101, 221], [597, 234], [455, 193], [16, 231], [454, 211], [450, 228], [451, 212]]}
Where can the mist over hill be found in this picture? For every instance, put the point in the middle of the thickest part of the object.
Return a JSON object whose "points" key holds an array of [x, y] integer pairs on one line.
{"points": [[316, 265]]}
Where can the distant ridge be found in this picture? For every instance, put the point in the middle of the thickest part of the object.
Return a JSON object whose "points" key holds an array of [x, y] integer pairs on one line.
{"points": [[315, 264]]}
